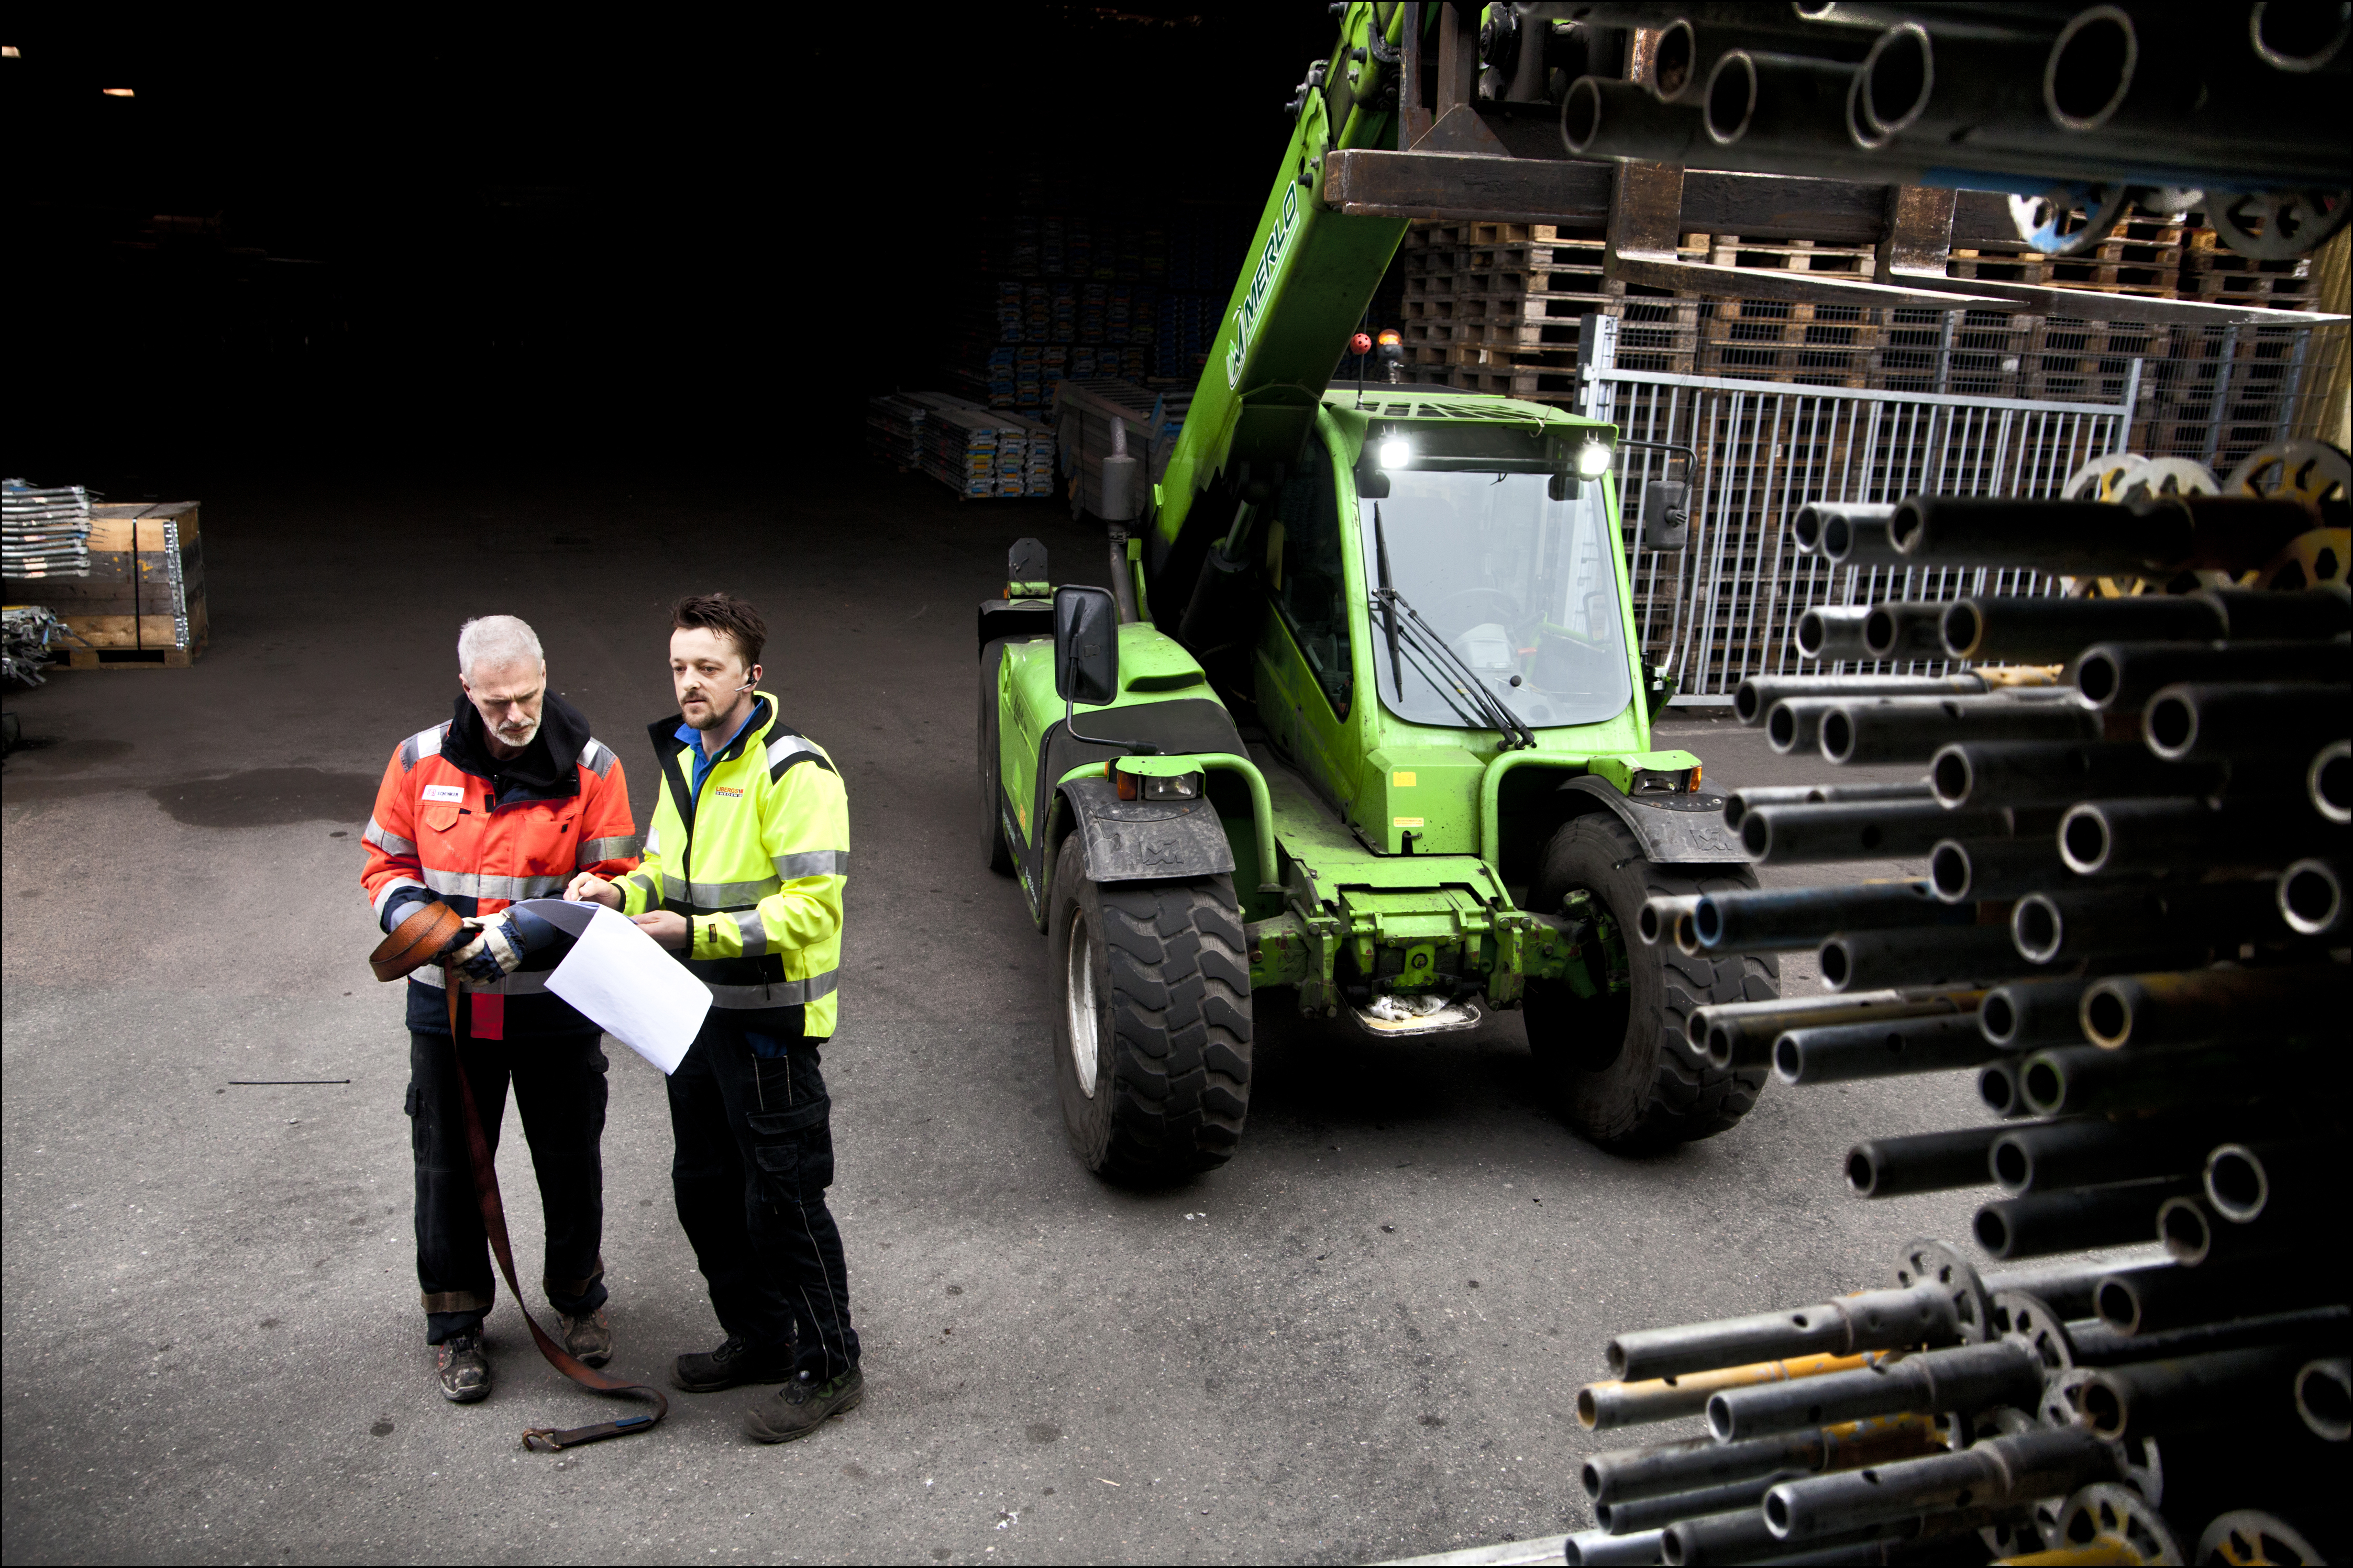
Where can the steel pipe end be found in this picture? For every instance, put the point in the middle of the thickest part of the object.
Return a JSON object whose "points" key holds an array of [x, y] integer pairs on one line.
{"points": [[1580, 115], [1730, 97], [1674, 60], [1949, 872], [2104, 1406], [2298, 37], [2011, 1165], [1837, 963], [1904, 529], [1686, 937], [1781, 733], [1614, 1354], [1951, 777], [1757, 838], [2107, 1014], [2329, 781], [1998, 1087], [2038, 927], [1789, 1060], [1963, 630], [1588, 1409], [1707, 922], [1838, 734], [2324, 1397], [1806, 529], [2169, 723], [2117, 1304], [2181, 1225], [1998, 1016], [1838, 537], [2236, 1183], [2090, 68], [1862, 1172], [1720, 1419], [1881, 630], [2042, 1084], [1780, 1517], [2098, 679], [2312, 898], [1992, 1231], [2083, 839], [1893, 83]]}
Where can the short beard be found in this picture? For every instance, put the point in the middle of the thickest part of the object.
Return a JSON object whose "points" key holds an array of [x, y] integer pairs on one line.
{"points": [[528, 736]]}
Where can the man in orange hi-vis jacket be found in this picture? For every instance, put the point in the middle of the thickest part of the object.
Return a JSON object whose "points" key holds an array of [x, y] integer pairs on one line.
{"points": [[507, 800]]}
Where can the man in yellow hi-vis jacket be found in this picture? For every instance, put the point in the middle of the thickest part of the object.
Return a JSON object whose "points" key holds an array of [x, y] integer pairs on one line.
{"points": [[742, 878]]}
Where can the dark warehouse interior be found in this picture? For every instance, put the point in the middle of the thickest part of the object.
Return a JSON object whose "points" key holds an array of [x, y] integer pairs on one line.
{"points": [[504, 244]]}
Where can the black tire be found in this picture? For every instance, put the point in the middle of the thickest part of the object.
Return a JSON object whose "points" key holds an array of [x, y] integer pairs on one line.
{"points": [[1168, 968], [1619, 1068], [994, 849]]}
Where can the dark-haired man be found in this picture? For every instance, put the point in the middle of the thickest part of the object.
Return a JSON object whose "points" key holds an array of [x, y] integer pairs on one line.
{"points": [[742, 878]]}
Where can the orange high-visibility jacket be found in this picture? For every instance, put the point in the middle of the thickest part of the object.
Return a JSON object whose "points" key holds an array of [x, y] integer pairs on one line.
{"points": [[455, 823]]}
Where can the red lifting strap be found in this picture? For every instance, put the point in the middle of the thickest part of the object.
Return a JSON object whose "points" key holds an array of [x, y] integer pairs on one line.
{"points": [[427, 932]]}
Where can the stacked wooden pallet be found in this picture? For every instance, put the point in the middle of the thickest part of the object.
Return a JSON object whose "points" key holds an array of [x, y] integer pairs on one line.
{"points": [[1493, 307], [142, 602]]}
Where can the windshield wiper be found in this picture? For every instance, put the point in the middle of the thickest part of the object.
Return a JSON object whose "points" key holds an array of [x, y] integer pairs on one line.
{"points": [[1388, 599], [1500, 717]]}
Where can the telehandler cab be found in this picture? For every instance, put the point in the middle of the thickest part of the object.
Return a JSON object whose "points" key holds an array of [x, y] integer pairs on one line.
{"points": [[1360, 714]]}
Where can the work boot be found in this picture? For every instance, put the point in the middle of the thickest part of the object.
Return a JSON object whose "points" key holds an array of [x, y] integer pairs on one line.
{"points": [[465, 1369], [801, 1406], [590, 1336], [733, 1363]]}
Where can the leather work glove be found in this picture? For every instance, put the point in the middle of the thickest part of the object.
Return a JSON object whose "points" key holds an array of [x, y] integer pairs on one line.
{"points": [[499, 944], [490, 954]]}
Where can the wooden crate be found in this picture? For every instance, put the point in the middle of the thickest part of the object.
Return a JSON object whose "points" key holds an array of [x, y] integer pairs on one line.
{"points": [[123, 612]]}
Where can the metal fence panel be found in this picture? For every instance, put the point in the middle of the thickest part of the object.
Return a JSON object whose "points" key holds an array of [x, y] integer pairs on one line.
{"points": [[1724, 607]]}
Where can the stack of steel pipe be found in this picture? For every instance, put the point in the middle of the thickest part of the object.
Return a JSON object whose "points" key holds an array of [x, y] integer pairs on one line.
{"points": [[2102, 102], [2133, 935], [1954, 1416]]}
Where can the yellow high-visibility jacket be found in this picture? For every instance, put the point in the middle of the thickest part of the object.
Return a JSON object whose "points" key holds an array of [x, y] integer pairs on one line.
{"points": [[756, 856]]}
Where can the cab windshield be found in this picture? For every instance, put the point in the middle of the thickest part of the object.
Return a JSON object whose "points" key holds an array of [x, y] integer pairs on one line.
{"points": [[1523, 588]]}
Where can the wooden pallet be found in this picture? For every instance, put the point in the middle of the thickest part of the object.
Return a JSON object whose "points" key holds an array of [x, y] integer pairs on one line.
{"points": [[125, 658]]}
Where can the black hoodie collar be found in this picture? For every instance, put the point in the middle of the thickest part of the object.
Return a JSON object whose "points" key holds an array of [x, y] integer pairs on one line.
{"points": [[548, 769]]}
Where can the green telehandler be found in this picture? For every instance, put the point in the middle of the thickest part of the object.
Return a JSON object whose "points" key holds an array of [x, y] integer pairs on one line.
{"points": [[1361, 714]]}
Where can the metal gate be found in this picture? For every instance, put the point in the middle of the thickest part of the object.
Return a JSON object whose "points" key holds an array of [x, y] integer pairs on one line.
{"points": [[1724, 608]]}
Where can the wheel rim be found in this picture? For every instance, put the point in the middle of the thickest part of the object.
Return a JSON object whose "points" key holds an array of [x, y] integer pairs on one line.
{"points": [[1079, 1000], [1612, 1011]]}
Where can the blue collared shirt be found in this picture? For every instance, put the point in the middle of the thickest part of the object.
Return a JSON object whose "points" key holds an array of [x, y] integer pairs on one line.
{"points": [[703, 759]]}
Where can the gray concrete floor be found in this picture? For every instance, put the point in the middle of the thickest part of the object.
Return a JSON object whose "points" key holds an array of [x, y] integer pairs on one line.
{"points": [[1361, 1339]]}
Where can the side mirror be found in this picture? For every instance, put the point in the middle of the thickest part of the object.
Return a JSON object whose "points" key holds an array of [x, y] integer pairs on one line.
{"points": [[1086, 646], [1666, 514]]}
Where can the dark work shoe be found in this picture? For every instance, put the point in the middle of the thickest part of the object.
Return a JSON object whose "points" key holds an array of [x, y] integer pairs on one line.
{"points": [[733, 1363], [465, 1369], [589, 1337], [800, 1407]]}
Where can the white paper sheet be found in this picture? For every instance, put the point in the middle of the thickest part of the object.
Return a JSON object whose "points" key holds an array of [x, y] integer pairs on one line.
{"points": [[625, 983]]}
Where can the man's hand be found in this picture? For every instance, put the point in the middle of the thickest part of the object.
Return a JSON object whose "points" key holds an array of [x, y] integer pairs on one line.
{"points": [[590, 889], [667, 927], [491, 955]]}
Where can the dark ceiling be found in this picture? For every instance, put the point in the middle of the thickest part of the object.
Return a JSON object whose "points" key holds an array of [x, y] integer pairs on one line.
{"points": [[429, 242]]}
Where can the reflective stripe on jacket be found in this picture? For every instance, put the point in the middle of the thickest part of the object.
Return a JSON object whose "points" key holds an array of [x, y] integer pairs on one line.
{"points": [[438, 832], [755, 859]]}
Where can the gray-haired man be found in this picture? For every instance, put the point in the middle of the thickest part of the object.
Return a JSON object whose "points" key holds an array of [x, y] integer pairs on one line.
{"points": [[507, 800]]}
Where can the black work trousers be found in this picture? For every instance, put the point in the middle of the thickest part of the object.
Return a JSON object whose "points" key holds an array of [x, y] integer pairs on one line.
{"points": [[754, 1155], [559, 1089]]}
